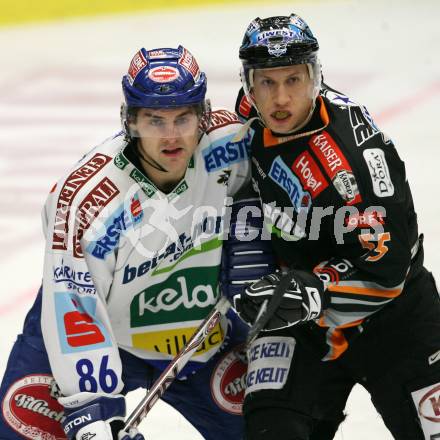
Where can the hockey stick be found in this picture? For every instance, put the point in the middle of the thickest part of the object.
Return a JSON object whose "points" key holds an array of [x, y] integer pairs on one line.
{"points": [[175, 366], [267, 309]]}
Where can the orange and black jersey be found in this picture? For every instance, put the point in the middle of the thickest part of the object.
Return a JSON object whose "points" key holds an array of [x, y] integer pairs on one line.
{"points": [[336, 200]]}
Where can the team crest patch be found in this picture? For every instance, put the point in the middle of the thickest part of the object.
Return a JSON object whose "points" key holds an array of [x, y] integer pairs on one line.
{"points": [[427, 403], [228, 382], [30, 410]]}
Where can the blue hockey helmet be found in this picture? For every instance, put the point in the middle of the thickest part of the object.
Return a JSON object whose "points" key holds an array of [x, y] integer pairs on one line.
{"points": [[164, 78], [278, 42]]}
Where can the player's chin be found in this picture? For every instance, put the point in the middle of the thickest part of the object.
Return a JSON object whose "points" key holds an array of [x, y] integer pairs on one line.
{"points": [[281, 125], [282, 128], [176, 162]]}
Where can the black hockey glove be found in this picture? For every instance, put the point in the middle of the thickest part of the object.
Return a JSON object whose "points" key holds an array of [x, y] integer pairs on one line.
{"points": [[302, 300]]}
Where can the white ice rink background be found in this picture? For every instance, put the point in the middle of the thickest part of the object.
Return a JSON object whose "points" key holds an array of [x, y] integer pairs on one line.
{"points": [[60, 96]]}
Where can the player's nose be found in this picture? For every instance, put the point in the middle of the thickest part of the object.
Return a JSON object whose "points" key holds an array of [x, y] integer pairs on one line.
{"points": [[281, 96]]}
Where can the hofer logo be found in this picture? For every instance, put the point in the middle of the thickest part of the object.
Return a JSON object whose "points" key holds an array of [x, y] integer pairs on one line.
{"points": [[281, 174]]}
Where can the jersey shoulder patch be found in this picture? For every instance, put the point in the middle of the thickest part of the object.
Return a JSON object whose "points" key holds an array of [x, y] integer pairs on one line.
{"points": [[370, 153], [355, 117], [81, 196], [221, 118], [222, 150]]}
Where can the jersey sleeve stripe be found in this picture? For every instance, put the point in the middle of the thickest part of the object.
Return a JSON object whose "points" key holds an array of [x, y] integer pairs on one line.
{"points": [[359, 308], [337, 343], [382, 292], [333, 318], [355, 300]]}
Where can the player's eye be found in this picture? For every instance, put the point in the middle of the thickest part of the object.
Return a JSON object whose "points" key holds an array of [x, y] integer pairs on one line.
{"points": [[182, 120], [267, 82], [156, 122]]}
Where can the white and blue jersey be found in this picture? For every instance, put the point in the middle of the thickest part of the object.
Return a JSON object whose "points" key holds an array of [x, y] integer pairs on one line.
{"points": [[129, 273], [129, 266]]}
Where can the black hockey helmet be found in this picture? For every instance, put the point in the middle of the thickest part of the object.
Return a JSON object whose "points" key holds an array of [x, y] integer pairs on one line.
{"points": [[277, 42]]}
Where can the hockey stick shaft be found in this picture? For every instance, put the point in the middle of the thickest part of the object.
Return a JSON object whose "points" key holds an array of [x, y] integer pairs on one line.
{"points": [[176, 365]]}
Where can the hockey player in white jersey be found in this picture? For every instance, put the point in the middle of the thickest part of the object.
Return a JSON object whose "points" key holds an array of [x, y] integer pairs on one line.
{"points": [[134, 238]]}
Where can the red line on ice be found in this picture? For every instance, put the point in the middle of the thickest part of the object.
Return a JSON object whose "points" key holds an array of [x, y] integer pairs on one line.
{"points": [[18, 302], [408, 103]]}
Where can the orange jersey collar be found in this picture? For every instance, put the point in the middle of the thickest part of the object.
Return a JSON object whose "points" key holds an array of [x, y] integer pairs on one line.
{"points": [[270, 140]]}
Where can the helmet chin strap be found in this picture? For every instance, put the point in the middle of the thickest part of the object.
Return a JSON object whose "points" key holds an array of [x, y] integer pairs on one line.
{"points": [[149, 160]]}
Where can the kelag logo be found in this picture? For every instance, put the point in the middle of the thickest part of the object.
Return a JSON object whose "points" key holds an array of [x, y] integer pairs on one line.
{"points": [[187, 295]]}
